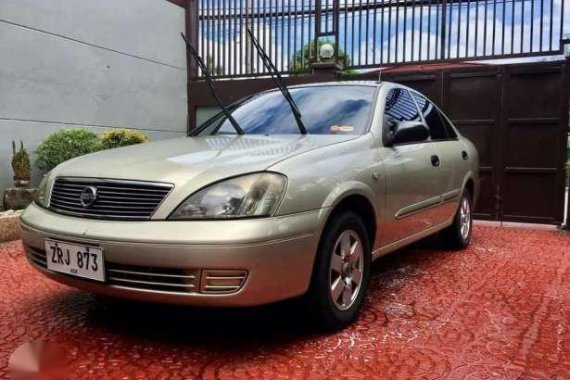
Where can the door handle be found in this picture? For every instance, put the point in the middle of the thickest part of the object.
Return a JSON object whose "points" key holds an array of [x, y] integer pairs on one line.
{"points": [[435, 160], [464, 155]]}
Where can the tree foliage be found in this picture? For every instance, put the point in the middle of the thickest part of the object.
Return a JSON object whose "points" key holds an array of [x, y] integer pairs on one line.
{"points": [[302, 57]]}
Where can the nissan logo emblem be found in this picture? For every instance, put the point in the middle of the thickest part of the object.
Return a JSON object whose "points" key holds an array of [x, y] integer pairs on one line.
{"points": [[88, 196]]}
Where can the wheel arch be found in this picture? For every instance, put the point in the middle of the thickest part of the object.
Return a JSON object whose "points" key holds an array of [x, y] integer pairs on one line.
{"points": [[358, 199], [470, 183]]}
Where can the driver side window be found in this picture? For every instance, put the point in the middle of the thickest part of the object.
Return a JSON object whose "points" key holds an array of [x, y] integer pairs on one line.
{"points": [[432, 118], [400, 107]]}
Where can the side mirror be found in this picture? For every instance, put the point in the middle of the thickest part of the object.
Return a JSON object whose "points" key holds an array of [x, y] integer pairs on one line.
{"points": [[406, 132]]}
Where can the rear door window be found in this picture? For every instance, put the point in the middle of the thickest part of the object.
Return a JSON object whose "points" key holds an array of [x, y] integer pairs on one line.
{"points": [[450, 131]]}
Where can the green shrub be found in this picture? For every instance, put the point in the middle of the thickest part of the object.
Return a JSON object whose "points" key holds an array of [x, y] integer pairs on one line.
{"points": [[64, 145], [115, 138]]}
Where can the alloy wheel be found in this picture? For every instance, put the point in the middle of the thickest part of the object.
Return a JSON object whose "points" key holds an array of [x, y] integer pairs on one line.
{"points": [[346, 269], [465, 218]]}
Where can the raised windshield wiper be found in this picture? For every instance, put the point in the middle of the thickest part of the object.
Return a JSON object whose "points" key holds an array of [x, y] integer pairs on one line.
{"points": [[209, 82], [278, 81]]}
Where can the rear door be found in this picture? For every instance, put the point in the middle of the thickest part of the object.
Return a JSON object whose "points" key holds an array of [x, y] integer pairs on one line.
{"points": [[413, 192]]}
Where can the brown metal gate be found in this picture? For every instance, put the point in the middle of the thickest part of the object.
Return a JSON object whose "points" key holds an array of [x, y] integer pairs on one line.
{"points": [[516, 115], [370, 34]]}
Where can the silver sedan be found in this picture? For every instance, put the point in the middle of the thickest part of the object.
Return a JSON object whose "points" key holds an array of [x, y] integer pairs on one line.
{"points": [[256, 214]]}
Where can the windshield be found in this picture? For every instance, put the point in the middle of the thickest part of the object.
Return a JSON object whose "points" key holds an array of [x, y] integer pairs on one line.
{"points": [[342, 109]]}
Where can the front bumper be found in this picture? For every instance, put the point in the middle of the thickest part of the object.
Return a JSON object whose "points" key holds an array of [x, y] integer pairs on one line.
{"points": [[275, 254]]}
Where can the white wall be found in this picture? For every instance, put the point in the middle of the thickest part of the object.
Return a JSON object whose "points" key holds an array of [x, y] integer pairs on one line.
{"points": [[93, 64]]}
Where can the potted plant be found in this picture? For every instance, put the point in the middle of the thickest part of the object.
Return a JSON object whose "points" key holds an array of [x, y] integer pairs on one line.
{"points": [[20, 165]]}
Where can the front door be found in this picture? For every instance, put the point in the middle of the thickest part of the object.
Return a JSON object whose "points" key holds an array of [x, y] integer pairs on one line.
{"points": [[413, 190], [450, 155]]}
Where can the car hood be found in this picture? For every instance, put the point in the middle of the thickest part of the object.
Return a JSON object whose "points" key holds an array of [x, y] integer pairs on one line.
{"points": [[197, 160]]}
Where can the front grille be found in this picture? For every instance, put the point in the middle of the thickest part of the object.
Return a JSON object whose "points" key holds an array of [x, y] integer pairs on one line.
{"points": [[170, 280], [111, 199]]}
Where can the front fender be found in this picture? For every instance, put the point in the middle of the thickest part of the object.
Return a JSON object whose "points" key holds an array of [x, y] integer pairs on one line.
{"points": [[346, 189], [343, 191]]}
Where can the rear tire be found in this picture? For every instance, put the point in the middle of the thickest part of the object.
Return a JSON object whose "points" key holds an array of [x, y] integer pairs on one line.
{"points": [[458, 235], [341, 272]]}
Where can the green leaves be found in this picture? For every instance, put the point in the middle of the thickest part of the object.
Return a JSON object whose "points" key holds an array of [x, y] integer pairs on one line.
{"points": [[304, 56], [115, 138], [64, 145]]}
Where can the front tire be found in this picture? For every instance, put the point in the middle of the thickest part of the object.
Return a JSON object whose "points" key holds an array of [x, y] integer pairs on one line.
{"points": [[458, 235], [341, 273]]}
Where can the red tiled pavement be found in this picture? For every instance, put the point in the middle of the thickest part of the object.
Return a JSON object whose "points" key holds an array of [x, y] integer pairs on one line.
{"points": [[499, 310]]}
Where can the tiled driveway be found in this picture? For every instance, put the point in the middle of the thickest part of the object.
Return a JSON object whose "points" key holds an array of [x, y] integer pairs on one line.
{"points": [[499, 310]]}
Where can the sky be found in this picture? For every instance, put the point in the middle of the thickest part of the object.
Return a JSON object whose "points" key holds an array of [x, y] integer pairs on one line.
{"points": [[382, 36]]}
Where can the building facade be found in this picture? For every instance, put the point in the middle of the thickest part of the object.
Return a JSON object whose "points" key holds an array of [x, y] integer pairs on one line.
{"points": [[93, 64]]}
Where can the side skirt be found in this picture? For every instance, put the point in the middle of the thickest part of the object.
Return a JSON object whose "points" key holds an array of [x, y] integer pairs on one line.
{"points": [[410, 239]]}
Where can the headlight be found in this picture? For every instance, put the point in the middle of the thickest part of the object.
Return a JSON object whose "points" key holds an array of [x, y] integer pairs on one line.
{"points": [[251, 195], [41, 196]]}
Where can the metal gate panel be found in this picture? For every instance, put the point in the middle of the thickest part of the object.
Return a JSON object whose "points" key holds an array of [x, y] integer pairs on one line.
{"points": [[373, 33], [472, 100], [533, 134]]}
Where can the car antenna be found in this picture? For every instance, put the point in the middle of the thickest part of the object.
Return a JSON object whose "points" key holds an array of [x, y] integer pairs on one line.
{"points": [[278, 81], [209, 82]]}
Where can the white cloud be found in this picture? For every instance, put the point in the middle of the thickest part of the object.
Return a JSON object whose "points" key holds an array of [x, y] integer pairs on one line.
{"points": [[461, 27]]}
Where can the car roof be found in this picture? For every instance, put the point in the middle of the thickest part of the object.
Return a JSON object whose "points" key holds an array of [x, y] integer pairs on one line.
{"points": [[369, 83]]}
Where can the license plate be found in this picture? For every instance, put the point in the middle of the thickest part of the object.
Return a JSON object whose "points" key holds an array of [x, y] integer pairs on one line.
{"points": [[76, 260]]}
